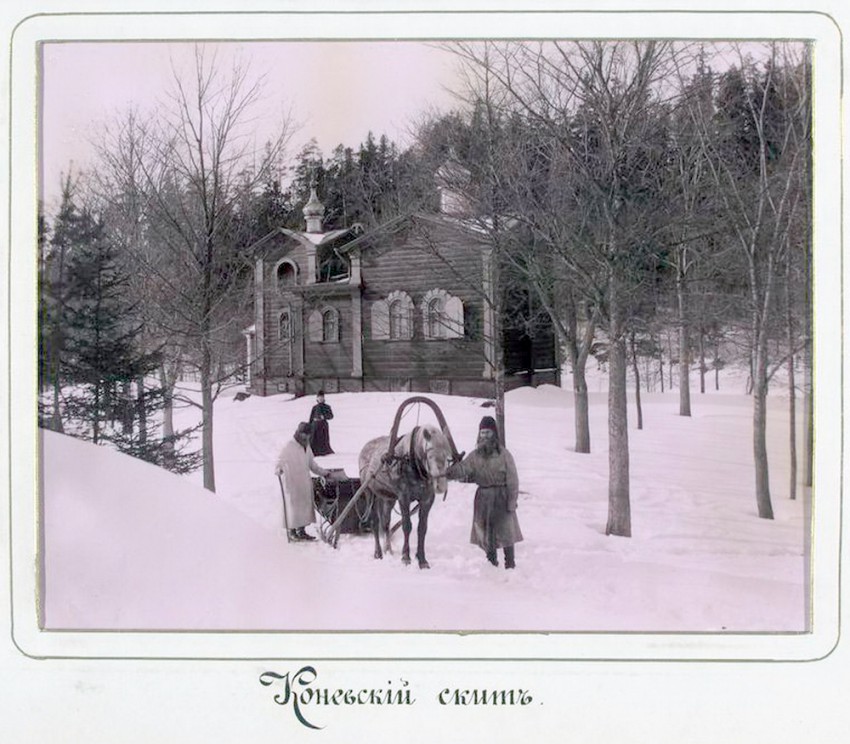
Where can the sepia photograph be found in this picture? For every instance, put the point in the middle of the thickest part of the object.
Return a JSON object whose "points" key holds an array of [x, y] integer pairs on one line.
{"points": [[376, 355], [599, 252]]}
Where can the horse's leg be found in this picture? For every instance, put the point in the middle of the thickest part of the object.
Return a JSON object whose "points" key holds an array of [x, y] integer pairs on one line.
{"points": [[386, 519], [406, 527], [376, 523], [421, 531]]}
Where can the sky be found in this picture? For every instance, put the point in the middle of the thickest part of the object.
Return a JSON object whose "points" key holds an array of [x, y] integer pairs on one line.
{"points": [[333, 91], [336, 91]]}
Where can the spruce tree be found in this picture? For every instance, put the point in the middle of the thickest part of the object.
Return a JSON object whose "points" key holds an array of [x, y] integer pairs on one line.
{"points": [[100, 352], [103, 357]]}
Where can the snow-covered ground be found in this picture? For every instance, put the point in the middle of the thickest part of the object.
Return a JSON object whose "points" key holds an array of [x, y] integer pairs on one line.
{"points": [[131, 546]]}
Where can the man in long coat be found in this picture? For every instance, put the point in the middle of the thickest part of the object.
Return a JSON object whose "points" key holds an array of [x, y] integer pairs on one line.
{"points": [[492, 468], [294, 465]]}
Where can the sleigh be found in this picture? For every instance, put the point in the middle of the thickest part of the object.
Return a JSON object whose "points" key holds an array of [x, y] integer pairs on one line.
{"points": [[332, 495]]}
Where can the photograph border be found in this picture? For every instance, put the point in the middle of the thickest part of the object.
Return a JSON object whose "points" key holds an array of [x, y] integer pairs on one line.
{"points": [[24, 515]]}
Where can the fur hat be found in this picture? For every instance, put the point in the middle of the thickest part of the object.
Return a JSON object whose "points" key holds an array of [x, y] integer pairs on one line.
{"points": [[304, 429], [488, 422]]}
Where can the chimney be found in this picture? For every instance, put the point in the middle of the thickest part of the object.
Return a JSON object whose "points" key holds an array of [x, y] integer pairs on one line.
{"points": [[451, 181]]}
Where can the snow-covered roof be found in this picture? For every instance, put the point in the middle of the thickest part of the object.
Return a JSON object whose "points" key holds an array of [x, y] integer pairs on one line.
{"points": [[320, 238]]}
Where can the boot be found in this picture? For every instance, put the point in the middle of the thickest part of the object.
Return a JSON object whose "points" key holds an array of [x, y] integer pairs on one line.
{"points": [[491, 556], [293, 535], [509, 557], [302, 535]]}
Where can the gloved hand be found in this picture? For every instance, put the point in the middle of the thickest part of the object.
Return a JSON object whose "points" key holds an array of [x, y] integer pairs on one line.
{"points": [[278, 471]]}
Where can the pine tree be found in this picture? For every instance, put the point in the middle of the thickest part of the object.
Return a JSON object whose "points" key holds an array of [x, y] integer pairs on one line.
{"points": [[99, 347], [102, 356], [52, 301]]}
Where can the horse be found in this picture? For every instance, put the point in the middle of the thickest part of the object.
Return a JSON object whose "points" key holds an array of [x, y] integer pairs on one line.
{"points": [[414, 471]]}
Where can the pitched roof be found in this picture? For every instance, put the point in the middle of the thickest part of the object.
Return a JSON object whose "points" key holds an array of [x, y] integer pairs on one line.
{"points": [[398, 223]]}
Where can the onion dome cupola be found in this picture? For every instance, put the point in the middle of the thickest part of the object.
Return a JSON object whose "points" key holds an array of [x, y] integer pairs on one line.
{"points": [[314, 210]]}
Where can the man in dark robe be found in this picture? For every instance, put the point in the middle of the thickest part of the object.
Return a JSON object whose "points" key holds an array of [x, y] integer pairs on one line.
{"points": [[492, 468], [320, 442]]}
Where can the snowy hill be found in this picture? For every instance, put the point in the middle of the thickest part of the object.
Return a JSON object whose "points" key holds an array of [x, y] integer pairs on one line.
{"points": [[131, 546]]}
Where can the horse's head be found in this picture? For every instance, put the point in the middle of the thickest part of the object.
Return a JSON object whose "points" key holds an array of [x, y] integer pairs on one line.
{"points": [[434, 455]]}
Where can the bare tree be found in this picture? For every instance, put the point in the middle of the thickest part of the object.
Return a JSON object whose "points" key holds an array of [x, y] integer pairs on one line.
{"points": [[757, 149], [597, 104], [187, 171]]}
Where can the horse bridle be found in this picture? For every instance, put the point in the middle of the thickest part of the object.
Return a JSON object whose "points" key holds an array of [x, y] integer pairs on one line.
{"points": [[421, 471]]}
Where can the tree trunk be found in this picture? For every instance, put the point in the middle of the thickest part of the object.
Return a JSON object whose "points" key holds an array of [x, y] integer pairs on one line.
{"points": [[167, 415], [792, 425], [582, 408], [619, 510], [207, 428], [751, 380], [56, 415], [765, 508], [636, 370], [759, 392], [56, 335], [808, 392], [529, 343], [498, 347], [684, 344], [761, 294], [499, 392], [701, 361], [670, 364], [126, 408], [578, 364], [716, 364], [660, 364], [792, 392], [141, 411], [96, 406]]}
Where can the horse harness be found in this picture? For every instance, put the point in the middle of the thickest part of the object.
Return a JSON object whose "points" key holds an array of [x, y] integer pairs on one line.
{"points": [[408, 465]]}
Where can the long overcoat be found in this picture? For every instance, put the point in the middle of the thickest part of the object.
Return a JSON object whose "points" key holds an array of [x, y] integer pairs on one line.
{"points": [[494, 519], [320, 441], [295, 464]]}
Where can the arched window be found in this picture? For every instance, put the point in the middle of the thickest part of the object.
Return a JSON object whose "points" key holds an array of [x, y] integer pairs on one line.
{"points": [[284, 329], [442, 315], [286, 275], [285, 326], [330, 325], [435, 321], [397, 324], [323, 325], [392, 318]]}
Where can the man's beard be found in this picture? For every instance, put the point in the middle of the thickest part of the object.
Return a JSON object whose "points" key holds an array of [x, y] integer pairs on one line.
{"points": [[488, 448]]}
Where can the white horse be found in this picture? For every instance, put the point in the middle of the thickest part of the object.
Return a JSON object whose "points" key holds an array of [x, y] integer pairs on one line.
{"points": [[414, 471]]}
